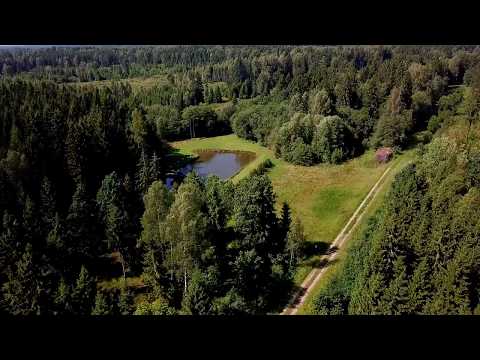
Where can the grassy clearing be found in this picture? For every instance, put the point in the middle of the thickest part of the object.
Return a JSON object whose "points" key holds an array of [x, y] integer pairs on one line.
{"points": [[136, 83], [332, 270], [323, 196]]}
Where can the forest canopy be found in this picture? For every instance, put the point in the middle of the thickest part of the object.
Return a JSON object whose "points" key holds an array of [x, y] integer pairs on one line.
{"points": [[85, 154]]}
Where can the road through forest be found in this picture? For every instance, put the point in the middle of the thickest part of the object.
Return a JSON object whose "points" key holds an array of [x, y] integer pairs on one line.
{"points": [[316, 274]]}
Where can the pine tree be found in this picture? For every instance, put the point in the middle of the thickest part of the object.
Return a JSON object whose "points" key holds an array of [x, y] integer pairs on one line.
{"points": [[395, 297], [155, 171], [197, 300], [139, 128], [22, 290], [143, 174], [55, 236], [84, 293], [126, 301], [101, 305], [218, 95], [63, 298], [15, 141], [31, 225], [11, 241], [81, 230], [47, 205], [419, 288]]}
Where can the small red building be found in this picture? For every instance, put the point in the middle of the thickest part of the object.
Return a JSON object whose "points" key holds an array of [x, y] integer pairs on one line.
{"points": [[384, 154]]}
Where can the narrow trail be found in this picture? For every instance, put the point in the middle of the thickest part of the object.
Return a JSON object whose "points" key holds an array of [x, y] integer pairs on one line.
{"points": [[316, 274]]}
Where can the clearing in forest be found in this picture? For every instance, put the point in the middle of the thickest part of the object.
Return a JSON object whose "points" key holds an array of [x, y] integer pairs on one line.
{"points": [[324, 196]]}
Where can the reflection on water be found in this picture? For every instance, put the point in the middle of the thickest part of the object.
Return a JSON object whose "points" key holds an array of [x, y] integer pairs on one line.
{"points": [[224, 164]]}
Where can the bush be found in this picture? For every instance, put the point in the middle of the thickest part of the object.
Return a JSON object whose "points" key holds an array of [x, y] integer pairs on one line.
{"points": [[263, 167]]}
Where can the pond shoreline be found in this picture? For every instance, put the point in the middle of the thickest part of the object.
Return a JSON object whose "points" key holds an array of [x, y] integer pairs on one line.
{"points": [[223, 163]]}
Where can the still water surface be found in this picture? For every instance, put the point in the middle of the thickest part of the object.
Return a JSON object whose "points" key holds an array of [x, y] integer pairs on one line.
{"points": [[224, 164]]}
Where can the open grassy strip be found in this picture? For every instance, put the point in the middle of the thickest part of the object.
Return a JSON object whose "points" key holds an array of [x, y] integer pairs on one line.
{"points": [[136, 83], [333, 268]]}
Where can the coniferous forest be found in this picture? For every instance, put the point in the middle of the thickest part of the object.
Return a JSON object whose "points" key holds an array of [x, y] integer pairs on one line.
{"points": [[90, 227]]}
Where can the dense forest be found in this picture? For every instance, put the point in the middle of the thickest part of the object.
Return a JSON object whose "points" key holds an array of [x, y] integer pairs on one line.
{"points": [[82, 186], [83, 168], [420, 251]]}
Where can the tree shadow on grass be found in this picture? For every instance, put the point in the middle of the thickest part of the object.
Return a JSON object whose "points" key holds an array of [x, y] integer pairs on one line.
{"points": [[314, 248], [316, 262]]}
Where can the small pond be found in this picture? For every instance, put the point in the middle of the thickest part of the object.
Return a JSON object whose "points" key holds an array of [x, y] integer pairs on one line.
{"points": [[222, 163]]}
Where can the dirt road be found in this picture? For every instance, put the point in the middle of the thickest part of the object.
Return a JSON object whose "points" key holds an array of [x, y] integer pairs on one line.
{"points": [[316, 274]]}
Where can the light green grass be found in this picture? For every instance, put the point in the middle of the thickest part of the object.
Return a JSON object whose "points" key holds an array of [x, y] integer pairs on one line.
{"points": [[333, 269], [322, 196], [136, 83]]}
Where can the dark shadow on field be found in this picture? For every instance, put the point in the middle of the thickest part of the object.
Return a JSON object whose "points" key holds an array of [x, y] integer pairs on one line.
{"points": [[313, 248], [319, 263], [297, 290], [313, 252], [177, 159]]}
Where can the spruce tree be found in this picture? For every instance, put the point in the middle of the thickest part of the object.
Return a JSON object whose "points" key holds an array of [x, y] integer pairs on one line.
{"points": [[102, 306], [21, 291], [47, 205], [83, 294]]}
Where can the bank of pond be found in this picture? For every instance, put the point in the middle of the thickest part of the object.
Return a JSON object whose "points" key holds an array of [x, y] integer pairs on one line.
{"points": [[222, 163]]}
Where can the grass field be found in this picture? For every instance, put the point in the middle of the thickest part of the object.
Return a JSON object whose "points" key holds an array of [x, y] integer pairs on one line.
{"points": [[333, 269], [323, 196], [136, 83]]}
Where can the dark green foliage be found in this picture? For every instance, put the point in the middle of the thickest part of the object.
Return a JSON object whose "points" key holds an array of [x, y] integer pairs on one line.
{"points": [[157, 307], [126, 301], [102, 306], [393, 130], [263, 167], [419, 255], [307, 140], [63, 298], [83, 294], [81, 226], [22, 289], [77, 161], [200, 121]]}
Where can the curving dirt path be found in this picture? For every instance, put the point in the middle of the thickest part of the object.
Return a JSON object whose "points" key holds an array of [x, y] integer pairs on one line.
{"points": [[316, 274]]}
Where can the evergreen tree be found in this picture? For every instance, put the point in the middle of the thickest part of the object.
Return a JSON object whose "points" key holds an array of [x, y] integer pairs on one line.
{"points": [[83, 295], [21, 291], [47, 205], [218, 95], [143, 175], [102, 306], [81, 226], [63, 298], [125, 301]]}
